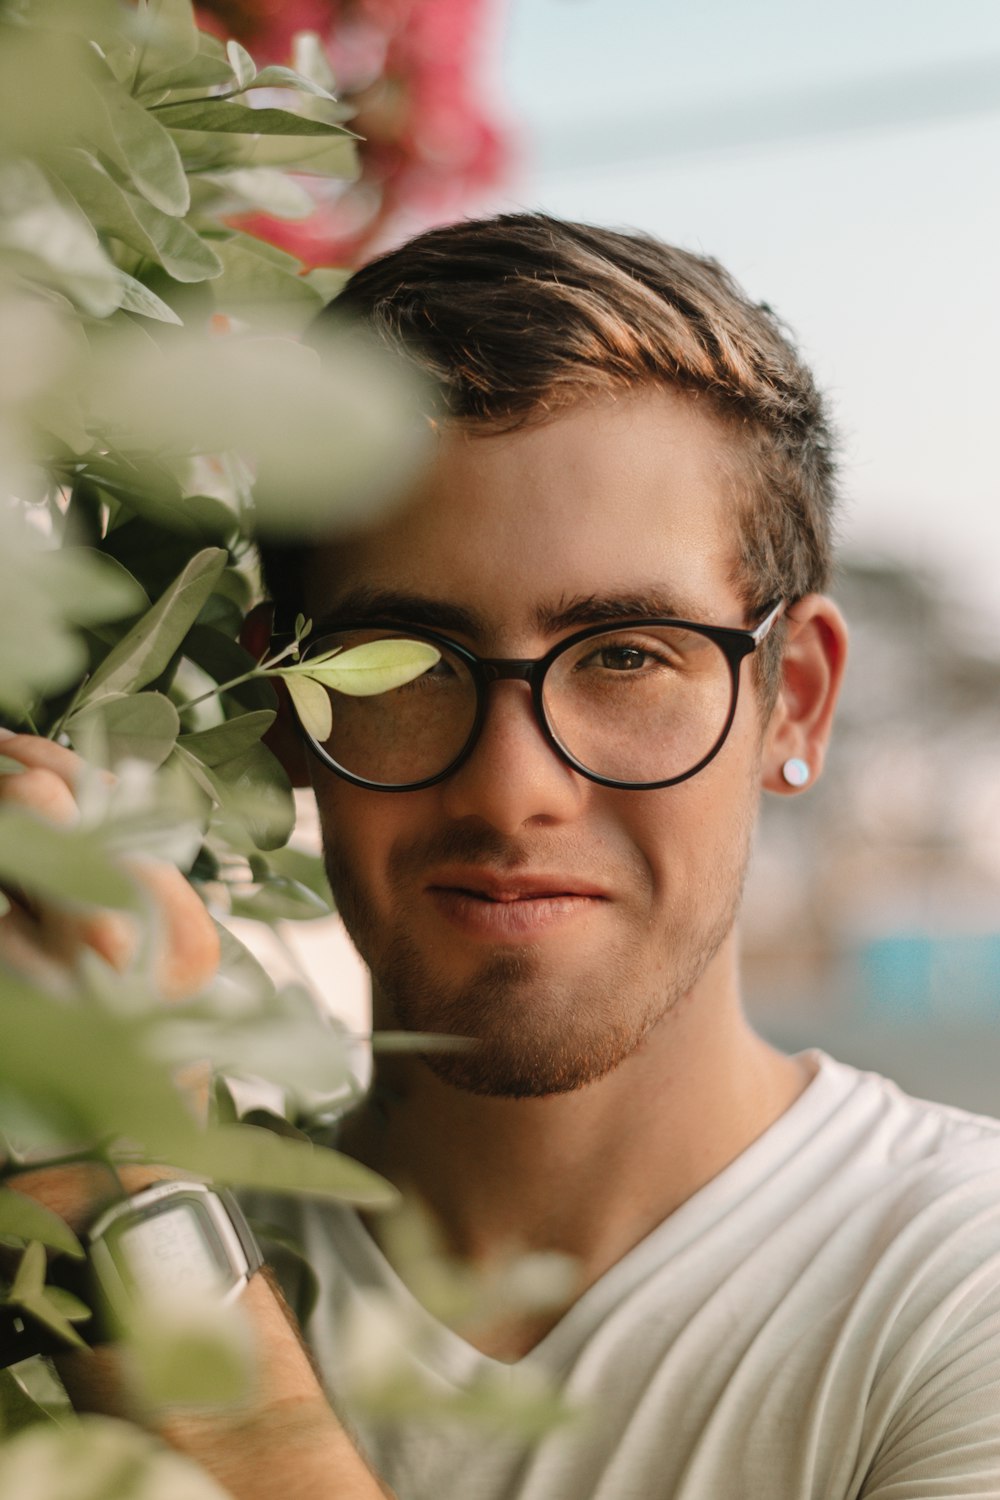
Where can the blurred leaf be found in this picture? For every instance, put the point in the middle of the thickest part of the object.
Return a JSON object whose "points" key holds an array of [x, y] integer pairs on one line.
{"points": [[264, 190], [87, 1069], [191, 1352], [224, 659], [167, 31], [280, 899], [66, 1305], [17, 1409], [115, 211], [57, 863], [256, 806], [146, 152], [179, 249], [139, 299], [30, 1277], [11, 767], [47, 237], [251, 285], [246, 1156], [203, 71], [276, 77], [149, 645], [98, 1458], [313, 706], [242, 64], [332, 157], [310, 61], [221, 115], [137, 726], [306, 868], [27, 1219], [225, 741]]}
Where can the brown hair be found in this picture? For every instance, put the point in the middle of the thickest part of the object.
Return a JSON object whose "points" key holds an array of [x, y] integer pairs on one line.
{"points": [[518, 317]]}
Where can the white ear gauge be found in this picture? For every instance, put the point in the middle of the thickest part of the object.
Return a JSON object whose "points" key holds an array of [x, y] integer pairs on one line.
{"points": [[796, 772]]}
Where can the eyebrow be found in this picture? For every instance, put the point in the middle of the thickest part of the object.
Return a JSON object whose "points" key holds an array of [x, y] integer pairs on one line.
{"points": [[569, 611]]}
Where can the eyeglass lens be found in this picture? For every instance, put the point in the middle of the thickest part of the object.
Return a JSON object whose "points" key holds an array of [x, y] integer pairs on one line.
{"points": [[636, 704]]}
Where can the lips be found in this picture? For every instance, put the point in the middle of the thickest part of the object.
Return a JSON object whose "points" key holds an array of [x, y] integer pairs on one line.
{"points": [[504, 908], [486, 886]]}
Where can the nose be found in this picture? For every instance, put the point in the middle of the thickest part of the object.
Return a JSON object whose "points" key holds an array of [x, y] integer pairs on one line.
{"points": [[513, 778]]}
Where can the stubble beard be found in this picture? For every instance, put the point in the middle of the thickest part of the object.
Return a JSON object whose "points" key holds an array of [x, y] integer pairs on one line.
{"points": [[535, 1034]]}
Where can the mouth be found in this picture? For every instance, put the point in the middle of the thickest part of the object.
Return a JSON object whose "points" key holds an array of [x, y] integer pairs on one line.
{"points": [[512, 908], [505, 889]]}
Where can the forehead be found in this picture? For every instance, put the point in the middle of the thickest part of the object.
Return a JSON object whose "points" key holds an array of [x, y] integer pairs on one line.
{"points": [[623, 498]]}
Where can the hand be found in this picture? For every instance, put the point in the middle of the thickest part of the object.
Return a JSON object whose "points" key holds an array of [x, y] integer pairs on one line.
{"points": [[40, 939]]}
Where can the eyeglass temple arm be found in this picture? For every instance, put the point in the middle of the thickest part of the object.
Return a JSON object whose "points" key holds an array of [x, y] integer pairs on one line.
{"points": [[766, 625]]}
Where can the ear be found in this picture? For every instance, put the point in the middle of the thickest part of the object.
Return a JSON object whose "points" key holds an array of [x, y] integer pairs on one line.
{"points": [[812, 669], [283, 738]]}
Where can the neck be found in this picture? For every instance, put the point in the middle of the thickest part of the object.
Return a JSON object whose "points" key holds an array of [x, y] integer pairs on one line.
{"points": [[527, 1173]]}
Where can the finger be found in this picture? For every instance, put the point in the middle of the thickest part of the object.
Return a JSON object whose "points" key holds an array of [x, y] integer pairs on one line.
{"points": [[188, 950], [42, 791], [45, 755]]}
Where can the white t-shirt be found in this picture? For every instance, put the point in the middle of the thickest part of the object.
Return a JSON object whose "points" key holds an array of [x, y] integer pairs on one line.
{"points": [[820, 1322]]}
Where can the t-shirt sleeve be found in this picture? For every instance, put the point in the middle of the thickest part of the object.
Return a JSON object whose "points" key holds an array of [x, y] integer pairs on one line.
{"points": [[942, 1441]]}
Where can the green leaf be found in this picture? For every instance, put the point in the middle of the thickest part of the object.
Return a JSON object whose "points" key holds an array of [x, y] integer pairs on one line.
{"points": [[30, 1278], [147, 152], [168, 31], [87, 1070], [67, 1305], [242, 64], [255, 289], [264, 190], [56, 863], [139, 299], [281, 900], [137, 726], [47, 237], [275, 77], [26, 1219], [11, 767], [313, 706], [309, 59], [254, 796], [220, 115], [177, 247], [225, 741], [308, 869], [126, 216], [149, 645], [366, 670], [191, 1355], [17, 1409], [247, 1156], [223, 659], [198, 72], [98, 1458], [45, 1310]]}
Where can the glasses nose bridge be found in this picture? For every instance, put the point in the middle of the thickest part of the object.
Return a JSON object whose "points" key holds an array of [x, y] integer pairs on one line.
{"points": [[509, 669]]}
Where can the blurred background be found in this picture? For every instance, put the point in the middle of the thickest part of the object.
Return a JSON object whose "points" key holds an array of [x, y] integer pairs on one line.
{"points": [[842, 163]]}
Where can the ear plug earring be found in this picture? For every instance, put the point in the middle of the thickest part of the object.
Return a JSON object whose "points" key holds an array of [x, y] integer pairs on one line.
{"points": [[796, 772]]}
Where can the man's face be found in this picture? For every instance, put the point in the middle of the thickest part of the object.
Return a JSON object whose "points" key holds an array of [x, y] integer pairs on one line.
{"points": [[557, 921]]}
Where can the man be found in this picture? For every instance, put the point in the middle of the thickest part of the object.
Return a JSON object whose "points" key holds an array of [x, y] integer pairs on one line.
{"points": [[789, 1273]]}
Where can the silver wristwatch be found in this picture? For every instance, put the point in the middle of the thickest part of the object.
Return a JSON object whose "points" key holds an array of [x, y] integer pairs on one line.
{"points": [[171, 1240]]}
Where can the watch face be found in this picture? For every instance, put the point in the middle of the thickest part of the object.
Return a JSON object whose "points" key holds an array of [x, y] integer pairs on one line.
{"points": [[171, 1252]]}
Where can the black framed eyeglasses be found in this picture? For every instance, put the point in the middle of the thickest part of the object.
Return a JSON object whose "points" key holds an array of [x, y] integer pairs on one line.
{"points": [[640, 704]]}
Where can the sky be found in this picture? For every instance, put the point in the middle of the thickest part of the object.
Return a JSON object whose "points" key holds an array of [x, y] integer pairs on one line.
{"points": [[843, 163]]}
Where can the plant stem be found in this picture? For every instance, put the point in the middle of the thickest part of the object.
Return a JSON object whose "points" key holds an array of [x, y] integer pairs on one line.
{"points": [[260, 670]]}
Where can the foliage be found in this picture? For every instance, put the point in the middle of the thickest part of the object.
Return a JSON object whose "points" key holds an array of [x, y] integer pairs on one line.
{"points": [[408, 68], [151, 388]]}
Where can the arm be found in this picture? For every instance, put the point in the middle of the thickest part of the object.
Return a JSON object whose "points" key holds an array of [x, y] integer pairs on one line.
{"points": [[285, 1440]]}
